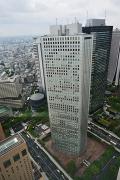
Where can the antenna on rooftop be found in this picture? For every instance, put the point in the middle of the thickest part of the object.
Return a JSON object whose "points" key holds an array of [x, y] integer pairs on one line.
{"points": [[75, 20], [56, 21], [67, 21], [87, 14], [105, 15]]}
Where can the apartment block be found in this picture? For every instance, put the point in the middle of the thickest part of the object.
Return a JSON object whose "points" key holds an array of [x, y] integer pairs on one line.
{"points": [[10, 87], [11, 92], [15, 163]]}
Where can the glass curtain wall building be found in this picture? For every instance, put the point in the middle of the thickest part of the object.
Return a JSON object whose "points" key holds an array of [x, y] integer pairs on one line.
{"points": [[101, 51]]}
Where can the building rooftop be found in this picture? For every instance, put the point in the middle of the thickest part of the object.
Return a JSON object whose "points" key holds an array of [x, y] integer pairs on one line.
{"points": [[37, 96], [3, 109], [37, 40], [10, 143], [95, 22], [9, 79], [72, 35]]}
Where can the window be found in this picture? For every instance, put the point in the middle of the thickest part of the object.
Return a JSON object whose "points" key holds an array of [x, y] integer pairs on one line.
{"points": [[16, 157], [3, 177], [24, 152], [17, 168], [12, 170], [7, 163], [87, 38]]}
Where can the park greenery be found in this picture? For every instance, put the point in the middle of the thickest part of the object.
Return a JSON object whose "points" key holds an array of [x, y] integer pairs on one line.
{"points": [[112, 88], [109, 122], [114, 102], [105, 122], [71, 168], [31, 130], [112, 171], [26, 116], [95, 168]]}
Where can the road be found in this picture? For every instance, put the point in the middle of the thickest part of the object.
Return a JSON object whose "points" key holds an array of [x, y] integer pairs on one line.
{"points": [[51, 170], [104, 134], [106, 167], [109, 137]]}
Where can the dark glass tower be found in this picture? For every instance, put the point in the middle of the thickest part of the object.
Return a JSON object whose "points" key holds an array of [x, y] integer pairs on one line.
{"points": [[100, 61]]}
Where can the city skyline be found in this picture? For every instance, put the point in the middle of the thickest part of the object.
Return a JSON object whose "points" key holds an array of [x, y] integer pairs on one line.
{"points": [[48, 84], [34, 17]]}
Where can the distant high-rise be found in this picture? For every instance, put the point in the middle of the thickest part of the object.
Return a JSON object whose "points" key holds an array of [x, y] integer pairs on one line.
{"points": [[95, 22], [67, 58], [101, 52], [11, 92], [15, 163], [114, 63], [10, 87], [39, 65]]}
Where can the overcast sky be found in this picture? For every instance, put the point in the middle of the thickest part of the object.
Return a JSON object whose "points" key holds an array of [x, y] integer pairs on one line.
{"points": [[33, 17]]}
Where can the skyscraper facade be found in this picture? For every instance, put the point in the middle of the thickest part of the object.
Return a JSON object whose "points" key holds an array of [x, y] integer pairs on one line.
{"points": [[114, 63], [55, 30], [100, 60], [39, 65], [15, 163], [67, 66]]}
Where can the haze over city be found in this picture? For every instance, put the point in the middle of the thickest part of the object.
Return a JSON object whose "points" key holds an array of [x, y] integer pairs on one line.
{"points": [[33, 17]]}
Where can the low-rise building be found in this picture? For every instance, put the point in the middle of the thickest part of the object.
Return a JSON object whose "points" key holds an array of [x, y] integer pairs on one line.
{"points": [[14, 159], [11, 92]]}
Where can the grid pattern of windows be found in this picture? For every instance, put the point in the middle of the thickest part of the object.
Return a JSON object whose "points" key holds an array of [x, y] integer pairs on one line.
{"points": [[7, 163], [39, 67], [24, 152], [100, 61], [64, 60], [16, 157], [16, 166]]}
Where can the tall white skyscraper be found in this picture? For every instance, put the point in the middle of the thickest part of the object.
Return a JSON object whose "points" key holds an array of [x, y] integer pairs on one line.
{"points": [[67, 61], [55, 30]]}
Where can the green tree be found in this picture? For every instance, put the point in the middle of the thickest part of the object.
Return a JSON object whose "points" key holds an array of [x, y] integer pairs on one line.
{"points": [[71, 168], [78, 178]]}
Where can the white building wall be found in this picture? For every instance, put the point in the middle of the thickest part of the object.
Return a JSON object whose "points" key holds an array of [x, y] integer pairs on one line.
{"points": [[67, 66], [74, 28], [69, 29], [56, 30], [39, 64], [118, 176], [117, 77]]}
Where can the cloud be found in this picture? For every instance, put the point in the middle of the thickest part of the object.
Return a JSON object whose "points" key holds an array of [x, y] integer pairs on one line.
{"points": [[35, 16]]}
